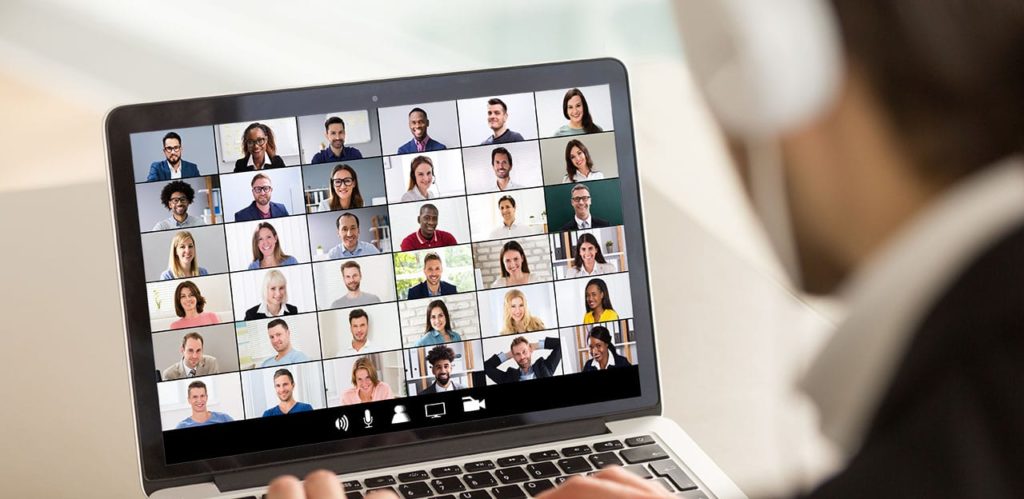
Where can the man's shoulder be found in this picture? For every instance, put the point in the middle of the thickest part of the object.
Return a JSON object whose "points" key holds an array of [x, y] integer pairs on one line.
{"points": [[447, 287]]}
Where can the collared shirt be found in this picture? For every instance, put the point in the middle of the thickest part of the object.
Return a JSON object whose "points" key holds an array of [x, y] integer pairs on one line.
{"points": [[579, 177], [510, 186], [421, 145], [889, 294], [611, 361], [416, 241], [369, 346], [514, 230], [434, 337], [263, 309], [173, 223], [362, 248], [584, 224], [175, 174], [452, 386], [599, 268], [415, 195], [189, 371], [293, 356], [327, 155], [523, 376], [266, 161]]}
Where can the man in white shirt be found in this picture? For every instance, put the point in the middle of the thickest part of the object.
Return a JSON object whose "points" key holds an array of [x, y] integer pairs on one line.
{"points": [[359, 326], [509, 226], [501, 162]]}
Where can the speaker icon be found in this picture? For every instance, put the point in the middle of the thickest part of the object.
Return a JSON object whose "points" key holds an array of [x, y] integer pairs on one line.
{"points": [[341, 423]]}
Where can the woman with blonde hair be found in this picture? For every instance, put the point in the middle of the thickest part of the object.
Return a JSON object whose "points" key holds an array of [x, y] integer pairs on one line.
{"points": [[266, 249], [343, 190], [366, 384], [517, 315], [182, 261], [275, 298]]}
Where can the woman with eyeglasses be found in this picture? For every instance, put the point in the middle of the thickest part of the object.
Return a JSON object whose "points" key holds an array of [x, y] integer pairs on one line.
{"points": [[259, 149], [344, 190]]}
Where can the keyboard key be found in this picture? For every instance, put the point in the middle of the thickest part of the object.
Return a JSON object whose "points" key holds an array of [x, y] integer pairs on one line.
{"points": [[512, 475], [607, 446], [576, 450], [444, 471], [392, 489], [604, 459], [559, 480], [542, 470], [414, 490], [638, 441], [638, 470], [448, 485], [669, 469], [512, 461], [379, 481], [474, 494], [479, 480], [413, 476], [508, 492], [446, 496], [537, 486], [545, 455], [692, 494], [478, 466], [574, 465], [643, 454], [352, 495], [664, 483], [351, 485]]}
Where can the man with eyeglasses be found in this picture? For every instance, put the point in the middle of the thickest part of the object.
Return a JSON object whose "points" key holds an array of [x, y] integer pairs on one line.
{"points": [[177, 196], [173, 167], [334, 131], [262, 207], [348, 232], [582, 218]]}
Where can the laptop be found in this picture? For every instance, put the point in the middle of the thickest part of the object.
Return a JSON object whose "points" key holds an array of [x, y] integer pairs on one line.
{"points": [[436, 284]]}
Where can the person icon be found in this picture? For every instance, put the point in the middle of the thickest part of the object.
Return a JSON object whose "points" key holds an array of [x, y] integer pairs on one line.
{"points": [[400, 415]]}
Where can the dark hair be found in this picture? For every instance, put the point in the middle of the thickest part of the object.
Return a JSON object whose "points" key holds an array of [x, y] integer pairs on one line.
{"points": [[602, 334], [176, 186], [357, 313], [570, 169], [447, 317], [508, 198], [278, 322], [333, 201], [517, 340], [270, 148], [334, 120], [606, 302], [200, 301], [337, 221], [171, 135], [588, 122], [947, 74], [284, 372], [439, 353], [416, 162], [418, 110], [512, 246], [191, 336], [497, 102], [431, 256], [586, 237], [501, 150], [428, 206], [349, 265], [195, 384]]}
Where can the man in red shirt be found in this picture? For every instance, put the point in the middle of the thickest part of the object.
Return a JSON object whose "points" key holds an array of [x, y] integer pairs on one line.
{"points": [[427, 236]]}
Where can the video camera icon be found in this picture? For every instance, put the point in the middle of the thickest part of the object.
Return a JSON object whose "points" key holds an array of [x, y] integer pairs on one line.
{"points": [[470, 404]]}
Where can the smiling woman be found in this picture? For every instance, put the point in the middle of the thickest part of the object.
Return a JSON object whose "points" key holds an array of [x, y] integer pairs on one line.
{"points": [[266, 249], [275, 298], [183, 261]]}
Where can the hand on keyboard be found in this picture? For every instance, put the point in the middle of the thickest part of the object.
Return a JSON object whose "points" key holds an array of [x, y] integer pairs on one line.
{"points": [[613, 482], [318, 485]]}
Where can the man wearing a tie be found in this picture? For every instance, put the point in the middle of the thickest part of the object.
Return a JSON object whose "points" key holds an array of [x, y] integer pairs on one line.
{"points": [[193, 363], [580, 197]]}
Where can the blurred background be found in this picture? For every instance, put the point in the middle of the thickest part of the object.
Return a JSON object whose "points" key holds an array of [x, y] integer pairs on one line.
{"points": [[731, 334]]}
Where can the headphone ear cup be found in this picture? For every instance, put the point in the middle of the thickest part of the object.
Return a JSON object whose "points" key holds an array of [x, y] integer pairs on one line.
{"points": [[765, 67]]}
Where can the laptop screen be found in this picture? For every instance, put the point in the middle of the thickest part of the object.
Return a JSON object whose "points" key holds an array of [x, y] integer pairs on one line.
{"points": [[315, 269]]}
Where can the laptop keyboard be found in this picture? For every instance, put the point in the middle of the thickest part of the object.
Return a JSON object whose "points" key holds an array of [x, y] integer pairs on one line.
{"points": [[523, 476]]}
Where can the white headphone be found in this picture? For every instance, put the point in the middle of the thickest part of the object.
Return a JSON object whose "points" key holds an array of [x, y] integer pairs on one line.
{"points": [[764, 66]]}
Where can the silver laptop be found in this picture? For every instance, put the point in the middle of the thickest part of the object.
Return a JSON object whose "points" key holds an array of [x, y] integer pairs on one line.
{"points": [[435, 284]]}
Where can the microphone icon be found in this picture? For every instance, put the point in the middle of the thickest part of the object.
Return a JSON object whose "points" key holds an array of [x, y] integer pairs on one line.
{"points": [[368, 418]]}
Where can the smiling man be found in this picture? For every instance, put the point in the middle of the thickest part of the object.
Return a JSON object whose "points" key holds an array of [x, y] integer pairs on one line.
{"points": [[497, 116], [522, 352], [359, 328], [261, 207], [334, 132], [501, 162], [177, 196], [428, 236], [193, 362], [281, 339], [348, 232], [432, 285], [440, 359], [197, 398], [284, 386], [580, 199], [421, 142], [352, 276], [509, 226], [172, 167]]}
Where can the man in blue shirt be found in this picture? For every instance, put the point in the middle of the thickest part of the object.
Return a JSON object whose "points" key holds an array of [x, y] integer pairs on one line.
{"points": [[421, 142], [173, 167], [261, 207], [281, 340], [497, 115], [348, 232], [432, 285], [335, 132], [200, 416], [284, 385]]}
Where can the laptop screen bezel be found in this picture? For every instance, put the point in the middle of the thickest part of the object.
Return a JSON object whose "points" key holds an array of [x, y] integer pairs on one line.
{"points": [[123, 121]]}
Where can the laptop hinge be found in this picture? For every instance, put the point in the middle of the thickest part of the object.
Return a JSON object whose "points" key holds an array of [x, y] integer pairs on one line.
{"points": [[451, 447]]}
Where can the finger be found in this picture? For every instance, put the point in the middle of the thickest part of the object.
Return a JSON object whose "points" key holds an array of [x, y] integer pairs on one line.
{"points": [[322, 484], [581, 486], [285, 487], [381, 494], [619, 475]]}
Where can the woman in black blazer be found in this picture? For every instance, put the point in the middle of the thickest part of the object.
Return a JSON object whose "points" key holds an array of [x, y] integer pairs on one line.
{"points": [[602, 351], [259, 149]]}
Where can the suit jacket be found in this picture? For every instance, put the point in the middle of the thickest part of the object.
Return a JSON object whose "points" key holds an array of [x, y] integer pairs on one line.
{"points": [[620, 361], [433, 388], [951, 423], [207, 365], [252, 314], [242, 165], [161, 170], [594, 222], [251, 212], [410, 147], [420, 290], [544, 368]]}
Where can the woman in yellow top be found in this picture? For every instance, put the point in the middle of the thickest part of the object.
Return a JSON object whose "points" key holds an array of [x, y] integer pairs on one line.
{"points": [[599, 306]]}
